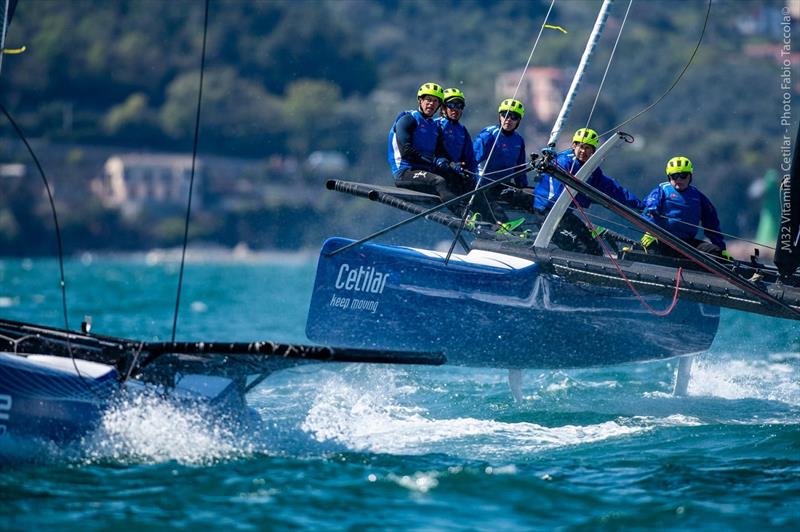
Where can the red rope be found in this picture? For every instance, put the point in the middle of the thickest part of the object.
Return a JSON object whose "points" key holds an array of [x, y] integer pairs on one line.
{"points": [[607, 251]]}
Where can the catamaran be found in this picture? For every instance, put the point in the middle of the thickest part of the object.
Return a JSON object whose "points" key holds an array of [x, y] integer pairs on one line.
{"points": [[519, 300], [507, 302], [56, 383]]}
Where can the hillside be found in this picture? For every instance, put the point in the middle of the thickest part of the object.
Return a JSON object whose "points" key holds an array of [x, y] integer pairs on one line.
{"points": [[288, 78]]}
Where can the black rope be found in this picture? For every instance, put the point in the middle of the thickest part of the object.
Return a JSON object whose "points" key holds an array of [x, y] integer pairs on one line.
{"points": [[62, 283], [191, 180], [685, 68], [52, 209]]}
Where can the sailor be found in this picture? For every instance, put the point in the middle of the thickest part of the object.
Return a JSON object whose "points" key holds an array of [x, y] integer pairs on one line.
{"points": [[584, 144], [457, 147], [678, 207], [415, 148], [572, 233], [500, 152], [456, 140]]}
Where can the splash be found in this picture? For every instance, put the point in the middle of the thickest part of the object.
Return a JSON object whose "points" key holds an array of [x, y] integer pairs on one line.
{"points": [[368, 415], [146, 428], [747, 379]]}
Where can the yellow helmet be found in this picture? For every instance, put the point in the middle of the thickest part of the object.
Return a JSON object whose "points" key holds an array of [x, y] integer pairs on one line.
{"points": [[515, 106], [679, 164], [586, 136], [453, 93], [431, 89]]}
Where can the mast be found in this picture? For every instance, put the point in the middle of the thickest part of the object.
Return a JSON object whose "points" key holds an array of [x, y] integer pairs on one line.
{"points": [[6, 12], [591, 44], [787, 248]]}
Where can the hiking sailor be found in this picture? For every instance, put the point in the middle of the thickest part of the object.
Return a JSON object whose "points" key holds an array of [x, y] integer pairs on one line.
{"points": [[678, 207], [415, 148], [584, 144], [507, 150], [573, 234]]}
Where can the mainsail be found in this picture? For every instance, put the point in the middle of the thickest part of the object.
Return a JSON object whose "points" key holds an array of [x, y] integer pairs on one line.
{"points": [[787, 249]]}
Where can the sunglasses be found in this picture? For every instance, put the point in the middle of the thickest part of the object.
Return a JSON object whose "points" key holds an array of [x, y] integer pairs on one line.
{"points": [[681, 175], [455, 105], [513, 116]]}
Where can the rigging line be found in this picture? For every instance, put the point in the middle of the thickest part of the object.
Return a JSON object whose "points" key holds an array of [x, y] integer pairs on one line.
{"points": [[689, 252], [609, 221], [52, 210], [499, 132], [723, 233], [425, 213], [608, 65], [191, 179], [607, 251], [515, 167], [677, 79], [62, 283]]}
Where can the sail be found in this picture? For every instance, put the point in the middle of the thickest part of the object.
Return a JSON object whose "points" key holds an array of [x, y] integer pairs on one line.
{"points": [[787, 249]]}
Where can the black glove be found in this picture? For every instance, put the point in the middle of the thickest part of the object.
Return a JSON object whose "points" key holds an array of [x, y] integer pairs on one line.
{"points": [[457, 168], [441, 163]]}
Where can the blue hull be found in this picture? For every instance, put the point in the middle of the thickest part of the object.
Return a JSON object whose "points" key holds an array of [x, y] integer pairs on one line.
{"points": [[492, 310], [45, 398]]}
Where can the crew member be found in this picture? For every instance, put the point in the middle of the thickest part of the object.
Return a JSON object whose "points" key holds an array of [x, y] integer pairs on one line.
{"points": [[500, 152], [678, 207], [573, 234], [456, 140], [584, 144], [415, 149]]}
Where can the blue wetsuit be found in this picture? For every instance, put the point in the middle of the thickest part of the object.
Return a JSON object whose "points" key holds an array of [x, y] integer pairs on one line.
{"points": [[457, 144], [669, 209], [549, 188], [413, 141], [508, 154]]}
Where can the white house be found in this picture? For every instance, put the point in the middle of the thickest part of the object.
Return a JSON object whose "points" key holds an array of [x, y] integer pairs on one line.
{"points": [[137, 180]]}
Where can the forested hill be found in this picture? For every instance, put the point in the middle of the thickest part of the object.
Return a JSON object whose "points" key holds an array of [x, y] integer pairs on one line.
{"points": [[291, 77]]}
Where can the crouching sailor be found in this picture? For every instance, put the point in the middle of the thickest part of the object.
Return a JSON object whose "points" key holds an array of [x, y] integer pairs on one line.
{"points": [[573, 233], [415, 149], [678, 207]]}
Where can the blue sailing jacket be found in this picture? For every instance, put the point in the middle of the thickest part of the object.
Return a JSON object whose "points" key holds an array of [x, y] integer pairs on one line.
{"points": [[549, 188], [669, 209], [457, 143], [508, 153], [424, 137]]}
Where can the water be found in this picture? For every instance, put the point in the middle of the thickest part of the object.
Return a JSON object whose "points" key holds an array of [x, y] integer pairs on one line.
{"points": [[357, 447]]}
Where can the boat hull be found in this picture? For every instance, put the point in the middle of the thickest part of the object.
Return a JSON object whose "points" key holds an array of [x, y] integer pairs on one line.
{"points": [[492, 310], [46, 398]]}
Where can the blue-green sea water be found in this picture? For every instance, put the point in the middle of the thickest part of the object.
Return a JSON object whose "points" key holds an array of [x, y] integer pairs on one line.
{"points": [[368, 448]]}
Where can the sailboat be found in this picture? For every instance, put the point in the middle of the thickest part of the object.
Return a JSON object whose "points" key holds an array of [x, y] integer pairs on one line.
{"points": [[520, 301], [57, 383]]}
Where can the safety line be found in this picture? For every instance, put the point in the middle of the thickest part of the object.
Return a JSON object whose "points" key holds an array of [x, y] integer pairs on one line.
{"points": [[191, 179]]}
